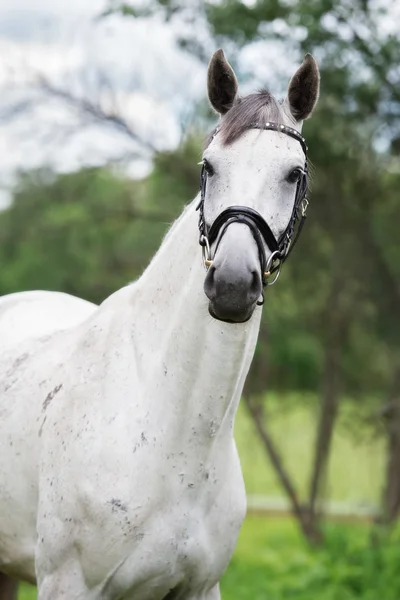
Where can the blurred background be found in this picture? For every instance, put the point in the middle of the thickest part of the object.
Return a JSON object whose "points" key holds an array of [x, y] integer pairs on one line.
{"points": [[103, 113]]}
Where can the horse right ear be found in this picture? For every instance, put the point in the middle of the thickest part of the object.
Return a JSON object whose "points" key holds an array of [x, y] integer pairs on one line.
{"points": [[222, 83], [303, 89]]}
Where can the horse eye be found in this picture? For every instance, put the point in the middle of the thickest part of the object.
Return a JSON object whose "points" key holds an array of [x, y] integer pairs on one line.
{"points": [[208, 168], [294, 175]]}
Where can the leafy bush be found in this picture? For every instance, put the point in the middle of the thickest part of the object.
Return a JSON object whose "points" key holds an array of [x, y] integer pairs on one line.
{"points": [[272, 562]]}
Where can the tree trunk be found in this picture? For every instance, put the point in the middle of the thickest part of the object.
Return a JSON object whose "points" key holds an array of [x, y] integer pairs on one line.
{"points": [[309, 528], [8, 588], [391, 494], [337, 319], [328, 414]]}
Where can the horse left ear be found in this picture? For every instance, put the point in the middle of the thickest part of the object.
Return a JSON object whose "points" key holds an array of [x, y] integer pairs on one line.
{"points": [[303, 89], [221, 82]]}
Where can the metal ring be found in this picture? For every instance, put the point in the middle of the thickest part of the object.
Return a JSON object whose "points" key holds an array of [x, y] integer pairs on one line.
{"points": [[270, 263], [278, 272], [205, 251]]}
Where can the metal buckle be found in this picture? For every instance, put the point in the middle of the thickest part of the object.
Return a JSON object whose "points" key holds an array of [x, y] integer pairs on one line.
{"points": [[304, 206]]}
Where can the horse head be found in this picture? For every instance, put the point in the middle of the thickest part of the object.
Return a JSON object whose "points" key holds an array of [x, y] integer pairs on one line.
{"points": [[253, 186]]}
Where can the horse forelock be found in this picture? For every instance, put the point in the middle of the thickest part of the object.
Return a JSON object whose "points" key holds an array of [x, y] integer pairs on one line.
{"points": [[252, 110]]}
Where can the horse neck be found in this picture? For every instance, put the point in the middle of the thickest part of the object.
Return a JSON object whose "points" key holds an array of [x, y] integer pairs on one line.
{"points": [[202, 362]]}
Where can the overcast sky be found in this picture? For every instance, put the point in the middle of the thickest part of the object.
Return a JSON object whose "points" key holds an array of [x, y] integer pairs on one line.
{"points": [[153, 82]]}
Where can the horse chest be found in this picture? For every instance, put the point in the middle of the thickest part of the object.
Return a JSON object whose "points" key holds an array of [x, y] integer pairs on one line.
{"points": [[180, 548], [158, 538]]}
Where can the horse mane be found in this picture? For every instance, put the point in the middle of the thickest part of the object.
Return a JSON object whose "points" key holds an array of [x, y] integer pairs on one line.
{"points": [[252, 110]]}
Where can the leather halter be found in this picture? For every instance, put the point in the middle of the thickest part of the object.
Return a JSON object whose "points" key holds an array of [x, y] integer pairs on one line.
{"points": [[281, 248]]}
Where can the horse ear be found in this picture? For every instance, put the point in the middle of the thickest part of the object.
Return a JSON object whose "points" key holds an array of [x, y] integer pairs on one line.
{"points": [[303, 89], [221, 82]]}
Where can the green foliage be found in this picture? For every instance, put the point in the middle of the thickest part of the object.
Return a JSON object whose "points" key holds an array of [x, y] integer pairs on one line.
{"points": [[91, 232], [174, 180], [27, 592], [75, 233], [273, 562]]}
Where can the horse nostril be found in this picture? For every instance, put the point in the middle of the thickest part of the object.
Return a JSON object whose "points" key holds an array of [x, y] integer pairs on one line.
{"points": [[255, 286], [209, 283]]}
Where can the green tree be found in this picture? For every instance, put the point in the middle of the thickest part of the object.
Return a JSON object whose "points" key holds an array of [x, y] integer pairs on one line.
{"points": [[90, 232]]}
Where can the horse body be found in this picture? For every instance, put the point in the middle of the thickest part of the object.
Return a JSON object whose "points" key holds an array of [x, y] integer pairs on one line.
{"points": [[29, 321], [130, 441], [119, 474]]}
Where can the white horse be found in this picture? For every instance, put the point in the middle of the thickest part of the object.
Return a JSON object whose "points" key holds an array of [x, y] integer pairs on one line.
{"points": [[119, 475]]}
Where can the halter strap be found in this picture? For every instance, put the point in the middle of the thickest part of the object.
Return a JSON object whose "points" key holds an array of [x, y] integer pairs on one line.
{"points": [[235, 213], [284, 129], [280, 249]]}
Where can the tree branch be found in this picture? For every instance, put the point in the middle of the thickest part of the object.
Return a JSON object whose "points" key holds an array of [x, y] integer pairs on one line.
{"points": [[95, 111]]}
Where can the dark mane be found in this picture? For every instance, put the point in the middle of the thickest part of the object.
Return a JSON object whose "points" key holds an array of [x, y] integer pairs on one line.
{"points": [[255, 109]]}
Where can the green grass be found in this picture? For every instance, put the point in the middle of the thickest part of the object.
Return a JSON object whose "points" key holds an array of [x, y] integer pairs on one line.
{"points": [[273, 562], [27, 592]]}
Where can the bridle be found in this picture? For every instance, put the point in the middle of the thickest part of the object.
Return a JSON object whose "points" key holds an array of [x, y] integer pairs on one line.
{"points": [[281, 248]]}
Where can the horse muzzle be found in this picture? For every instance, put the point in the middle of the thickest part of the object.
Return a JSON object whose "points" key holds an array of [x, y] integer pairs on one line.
{"points": [[233, 282], [232, 298]]}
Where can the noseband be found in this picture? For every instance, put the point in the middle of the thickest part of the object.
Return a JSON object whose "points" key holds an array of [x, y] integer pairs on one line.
{"points": [[281, 248]]}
